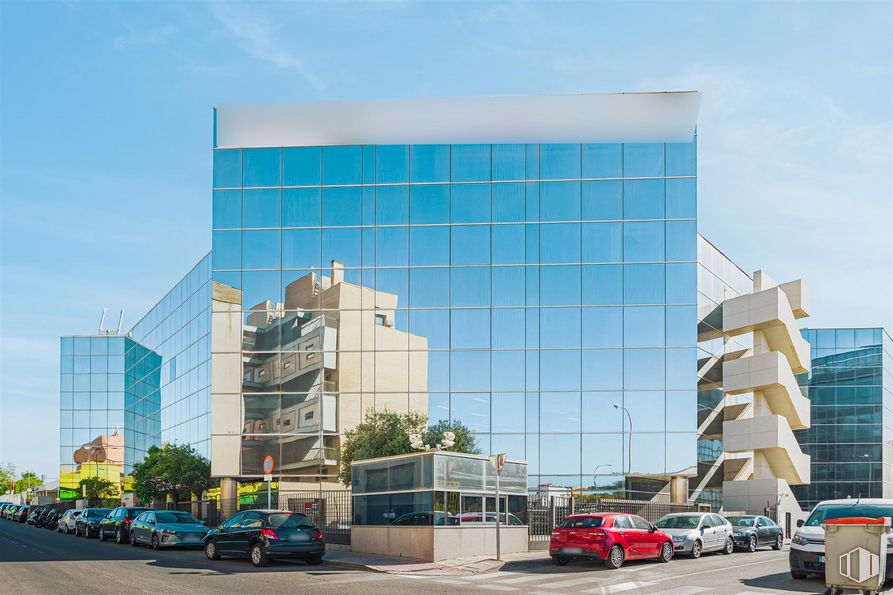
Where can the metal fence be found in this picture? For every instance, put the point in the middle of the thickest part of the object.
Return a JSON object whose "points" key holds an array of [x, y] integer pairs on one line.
{"points": [[545, 512], [328, 510]]}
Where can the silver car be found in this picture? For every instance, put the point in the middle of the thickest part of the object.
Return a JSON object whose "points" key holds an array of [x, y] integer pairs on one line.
{"points": [[68, 521], [697, 532]]}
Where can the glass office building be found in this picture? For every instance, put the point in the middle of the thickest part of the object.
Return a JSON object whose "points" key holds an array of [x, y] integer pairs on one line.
{"points": [[91, 405], [122, 394], [851, 392], [544, 294]]}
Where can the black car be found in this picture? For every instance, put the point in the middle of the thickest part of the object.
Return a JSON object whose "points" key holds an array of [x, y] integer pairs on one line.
{"points": [[40, 519], [117, 524], [261, 535], [750, 532], [21, 515], [50, 520], [88, 523], [33, 514]]}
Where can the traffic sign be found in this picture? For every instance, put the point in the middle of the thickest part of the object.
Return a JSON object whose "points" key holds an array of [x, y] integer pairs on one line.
{"points": [[268, 478], [268, 465]]}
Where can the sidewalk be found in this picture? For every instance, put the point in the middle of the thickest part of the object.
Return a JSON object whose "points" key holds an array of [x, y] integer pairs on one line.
{"points": [[455, 566]]}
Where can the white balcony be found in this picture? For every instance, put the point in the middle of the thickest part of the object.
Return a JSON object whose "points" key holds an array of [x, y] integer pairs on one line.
{"points": [[772, 437], [770, 374], [770, 312]]}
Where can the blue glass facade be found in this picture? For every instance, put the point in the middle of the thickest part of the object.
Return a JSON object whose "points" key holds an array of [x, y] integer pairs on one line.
{"points": [[168, 375], [851, 393], [544, 283]]}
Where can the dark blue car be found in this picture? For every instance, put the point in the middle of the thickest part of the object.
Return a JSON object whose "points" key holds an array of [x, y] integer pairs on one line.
{"points": [[262, 535]]}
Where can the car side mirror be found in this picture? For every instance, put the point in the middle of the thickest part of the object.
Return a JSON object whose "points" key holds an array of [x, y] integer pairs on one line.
{"points": [[704, 528], [799, 522], [652, 529], [151, 522]]}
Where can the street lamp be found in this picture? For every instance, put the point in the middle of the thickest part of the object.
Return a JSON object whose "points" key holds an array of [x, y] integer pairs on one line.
{"points": [[629, 462], [595, 473], [870, 474]]}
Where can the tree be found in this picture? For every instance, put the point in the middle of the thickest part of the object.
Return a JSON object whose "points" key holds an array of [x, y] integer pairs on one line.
{"points": [[98, 489], [385, 434], [7, 475], [173, 469], [29, 479]]}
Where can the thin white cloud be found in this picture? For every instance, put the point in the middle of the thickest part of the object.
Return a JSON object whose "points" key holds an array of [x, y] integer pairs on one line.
{"points": [[257, 36], [152, 37]]}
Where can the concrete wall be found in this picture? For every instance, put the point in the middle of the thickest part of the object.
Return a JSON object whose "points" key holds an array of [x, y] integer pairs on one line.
{"points": [[436, 543]]}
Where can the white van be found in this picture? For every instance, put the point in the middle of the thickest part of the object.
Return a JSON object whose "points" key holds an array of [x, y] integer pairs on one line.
{"points": [[808, 544]]}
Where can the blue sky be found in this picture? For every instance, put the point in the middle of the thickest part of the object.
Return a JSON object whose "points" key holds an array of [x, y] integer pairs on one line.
{"points": [[106, 134]]}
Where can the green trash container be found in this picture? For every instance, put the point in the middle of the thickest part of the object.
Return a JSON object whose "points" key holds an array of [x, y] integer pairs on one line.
{"points": [[856, 553]]}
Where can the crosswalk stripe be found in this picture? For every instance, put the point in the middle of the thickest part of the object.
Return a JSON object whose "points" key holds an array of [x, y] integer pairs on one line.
{"points": [[497, 588], [526, 579], [619, 588], [571, 583], [450, 581], [684, 591]]}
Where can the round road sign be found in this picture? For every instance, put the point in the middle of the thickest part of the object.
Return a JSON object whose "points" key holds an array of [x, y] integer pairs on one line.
{"points": [[268, 465]]}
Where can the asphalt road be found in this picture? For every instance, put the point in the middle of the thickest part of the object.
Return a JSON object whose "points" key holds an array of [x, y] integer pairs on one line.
{"points": [[40, 561]]}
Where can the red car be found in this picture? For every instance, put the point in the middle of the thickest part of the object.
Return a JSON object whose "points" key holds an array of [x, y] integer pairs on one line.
{"points": [[611, 537]]}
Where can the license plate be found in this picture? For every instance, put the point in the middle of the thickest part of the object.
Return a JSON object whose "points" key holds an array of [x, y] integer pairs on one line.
{"points": [[822, 559], [298, 537], [192, 538], [572, 550]]}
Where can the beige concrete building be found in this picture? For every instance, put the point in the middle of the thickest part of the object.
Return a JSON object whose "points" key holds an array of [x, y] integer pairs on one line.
{"points": [[289, 378], [762, 403]]}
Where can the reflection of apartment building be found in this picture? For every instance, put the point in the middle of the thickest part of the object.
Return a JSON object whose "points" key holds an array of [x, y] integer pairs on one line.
{"points": [[311, 365]]}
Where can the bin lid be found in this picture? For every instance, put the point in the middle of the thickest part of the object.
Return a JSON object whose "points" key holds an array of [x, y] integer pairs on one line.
{"points": [[858, 520]]}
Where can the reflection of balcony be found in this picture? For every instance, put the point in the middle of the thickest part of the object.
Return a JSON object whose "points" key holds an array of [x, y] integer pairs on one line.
{"points": [[770, 374]]}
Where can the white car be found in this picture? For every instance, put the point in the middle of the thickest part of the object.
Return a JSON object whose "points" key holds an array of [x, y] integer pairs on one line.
{"points": [[808, 544], [67, 522], [697, 532]]}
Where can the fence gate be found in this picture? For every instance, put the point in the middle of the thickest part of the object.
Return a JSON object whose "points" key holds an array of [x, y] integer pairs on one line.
{"points": [[328, 510]]}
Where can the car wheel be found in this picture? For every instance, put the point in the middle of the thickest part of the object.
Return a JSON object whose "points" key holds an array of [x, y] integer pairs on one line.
{"points": [[155, 542], [133, 539], [615, 557], [101, 534], [314, 560], [119, 536], [752, 544], [730, 546], [779, 543], [696, 550], [798, 576], [666, 552], [560, 560], [258, 558], [211, 550]]}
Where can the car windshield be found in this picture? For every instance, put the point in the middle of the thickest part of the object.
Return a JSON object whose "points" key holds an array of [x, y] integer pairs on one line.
{"points": [[175, 517], [678, 522], [98, 512], [588, 522], [284, 520], [742, 521], [827, 512]]}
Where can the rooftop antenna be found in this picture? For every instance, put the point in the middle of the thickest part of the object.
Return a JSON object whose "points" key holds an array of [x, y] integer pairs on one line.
{"points": [[102, 320], [120, 320]]}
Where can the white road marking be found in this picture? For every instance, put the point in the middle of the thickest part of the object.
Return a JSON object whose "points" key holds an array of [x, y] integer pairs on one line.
{"points": [[721, 569], [526, 579], [497, 588], [619, 588], [450, 581], [571, 583], [683, 591]]}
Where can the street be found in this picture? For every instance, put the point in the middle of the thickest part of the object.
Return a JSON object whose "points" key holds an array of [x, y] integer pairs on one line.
{"points": [[40, 561]]}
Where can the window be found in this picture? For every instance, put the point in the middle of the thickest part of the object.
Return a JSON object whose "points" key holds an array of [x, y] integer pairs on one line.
{"points": [[640, 523], [233, 521], [583, 522], [252, 520], [622, 522]]}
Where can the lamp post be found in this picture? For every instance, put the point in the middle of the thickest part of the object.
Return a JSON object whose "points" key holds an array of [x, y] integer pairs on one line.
{"points": [[595, 473], [870, 474], [498, 464], [629, 462]]}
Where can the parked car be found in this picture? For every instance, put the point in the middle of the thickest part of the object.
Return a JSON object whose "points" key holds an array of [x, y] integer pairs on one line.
{"points": [[475, 517], [427, 518], [67, 521], [750, 532], [265, 534], [610, 537], [40, 518], [3, 507], [33, 513], [167, 528], [697, 532], [117, 523], [88, 522], [807, 554], [21, 515]]}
